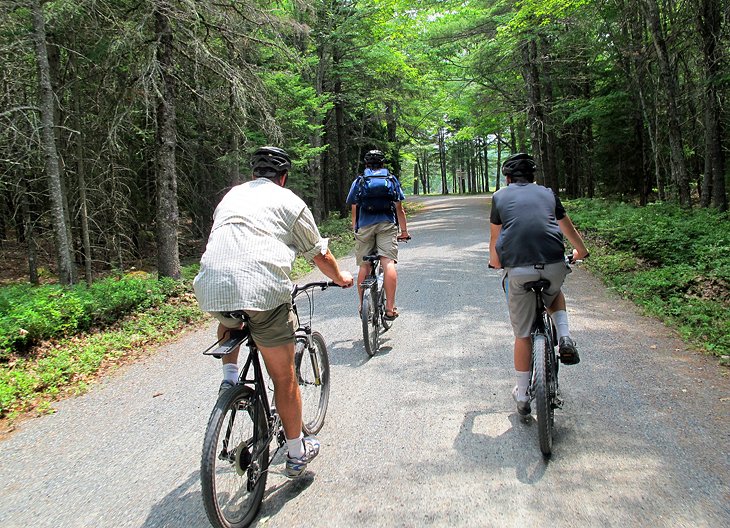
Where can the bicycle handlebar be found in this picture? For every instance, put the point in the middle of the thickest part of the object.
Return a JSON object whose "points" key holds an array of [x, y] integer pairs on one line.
{"points": [[323, 285], [403, 239]]}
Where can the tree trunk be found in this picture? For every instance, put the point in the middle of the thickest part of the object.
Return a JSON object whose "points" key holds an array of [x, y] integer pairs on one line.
{"points": [[713, 184], [52, 168], [669, 79], [81, 177], [27, 234], [442, 160], [168, 256], [536, 121]]}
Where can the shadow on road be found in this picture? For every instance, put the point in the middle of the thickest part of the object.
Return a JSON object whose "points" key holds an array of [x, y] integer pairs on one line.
{"points": [[482, 438]]}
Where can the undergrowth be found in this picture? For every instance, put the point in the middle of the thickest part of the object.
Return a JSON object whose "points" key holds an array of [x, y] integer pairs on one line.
{"points": [[675, 263]]}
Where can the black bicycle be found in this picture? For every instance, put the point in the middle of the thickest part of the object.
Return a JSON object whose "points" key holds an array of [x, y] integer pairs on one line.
{"points": [[237, 446], [372, 312], [543, 388]]}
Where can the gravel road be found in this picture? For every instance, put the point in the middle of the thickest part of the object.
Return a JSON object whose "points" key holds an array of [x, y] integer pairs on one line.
{"points": [[423, 434]]}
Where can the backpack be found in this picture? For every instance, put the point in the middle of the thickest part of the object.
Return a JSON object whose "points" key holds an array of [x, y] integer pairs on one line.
{"points": [[377, 190]]}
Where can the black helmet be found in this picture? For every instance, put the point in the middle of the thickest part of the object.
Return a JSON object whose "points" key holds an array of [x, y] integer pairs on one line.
{"points": [[270, 160], [374, 157], [519, 165]]}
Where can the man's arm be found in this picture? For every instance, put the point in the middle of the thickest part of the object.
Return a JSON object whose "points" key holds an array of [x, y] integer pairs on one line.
{"points": [[570, 232], [402, 221], [354, 215], [494, 231], [328, 265]]}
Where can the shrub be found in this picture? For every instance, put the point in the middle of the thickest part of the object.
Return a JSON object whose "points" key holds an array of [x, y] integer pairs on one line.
{"points": [[33, 313]]}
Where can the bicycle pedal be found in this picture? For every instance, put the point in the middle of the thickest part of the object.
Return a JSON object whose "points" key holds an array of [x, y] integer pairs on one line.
{"points": [[557, 403]]}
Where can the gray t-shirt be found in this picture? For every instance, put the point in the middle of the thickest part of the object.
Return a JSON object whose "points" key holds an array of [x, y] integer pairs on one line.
{"points": [[528, 214]]}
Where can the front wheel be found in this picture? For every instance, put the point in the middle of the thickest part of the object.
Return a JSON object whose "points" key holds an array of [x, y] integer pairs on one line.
{"points": [[543, 382], [235, 459], [313, 375], [369, 323]]}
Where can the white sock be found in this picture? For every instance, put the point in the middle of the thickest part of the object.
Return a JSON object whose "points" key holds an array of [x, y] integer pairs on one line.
{"points": [[523, 381], [295, 447], [560, 319], [230, 372]]}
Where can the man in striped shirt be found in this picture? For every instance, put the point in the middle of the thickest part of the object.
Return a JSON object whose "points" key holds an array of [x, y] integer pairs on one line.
{"points": [[258, 229]]}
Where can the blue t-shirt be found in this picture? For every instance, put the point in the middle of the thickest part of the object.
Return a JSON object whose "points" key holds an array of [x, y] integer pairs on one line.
{"points": [[366, 218]]}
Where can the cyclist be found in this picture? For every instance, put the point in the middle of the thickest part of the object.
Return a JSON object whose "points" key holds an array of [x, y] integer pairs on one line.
{"points": [[258, 228], [528, 222], [377, 228]]}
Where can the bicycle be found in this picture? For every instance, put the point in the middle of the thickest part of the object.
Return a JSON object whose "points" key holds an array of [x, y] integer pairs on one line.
{"points": [[372, 311], [237, 446], [544, 387]]}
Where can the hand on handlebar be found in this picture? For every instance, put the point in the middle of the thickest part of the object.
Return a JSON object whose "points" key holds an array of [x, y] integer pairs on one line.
{"points": [[574, 257], [345, 281], [404, 237]]}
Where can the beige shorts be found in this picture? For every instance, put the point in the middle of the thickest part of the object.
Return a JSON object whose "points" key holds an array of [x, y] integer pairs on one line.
{"points": [[269, 328], [381, 238], [522, 302]]}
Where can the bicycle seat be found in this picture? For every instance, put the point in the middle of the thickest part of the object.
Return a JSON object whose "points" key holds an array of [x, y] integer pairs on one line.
{"points": [[371, 258], [539, 285]]}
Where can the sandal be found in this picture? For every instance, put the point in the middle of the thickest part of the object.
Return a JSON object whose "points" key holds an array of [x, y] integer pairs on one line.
{"points": [[393, 315]]}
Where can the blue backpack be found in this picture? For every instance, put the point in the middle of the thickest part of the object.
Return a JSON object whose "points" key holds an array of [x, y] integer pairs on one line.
{"points": [[377, 190]]}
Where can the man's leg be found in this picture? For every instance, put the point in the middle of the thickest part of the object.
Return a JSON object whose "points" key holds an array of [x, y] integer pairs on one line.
{"points": [[230, 361], [362, 274], [390, 282], [566, 346], [279, 361], [523, 353]]}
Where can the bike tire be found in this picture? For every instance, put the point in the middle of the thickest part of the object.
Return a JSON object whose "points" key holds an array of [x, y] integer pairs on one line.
{"points": [[386, 324], [232, 481], [543, 402], [369, 323], [313, 375]]}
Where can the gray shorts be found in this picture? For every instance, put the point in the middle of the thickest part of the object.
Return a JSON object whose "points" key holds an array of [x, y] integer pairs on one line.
{"points": [[521, 302], [269, 328], [382, 237]]}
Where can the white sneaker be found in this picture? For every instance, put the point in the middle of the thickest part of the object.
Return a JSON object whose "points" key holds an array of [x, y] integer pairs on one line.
{"points": [[523, 405], [296, 466]]}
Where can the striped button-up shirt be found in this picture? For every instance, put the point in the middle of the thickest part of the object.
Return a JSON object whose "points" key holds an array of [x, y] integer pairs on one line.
{"points": [[258, 229]]}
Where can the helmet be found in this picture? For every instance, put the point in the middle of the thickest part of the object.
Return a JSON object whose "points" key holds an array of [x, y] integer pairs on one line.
{"points": [[374, 157], [519, 165], [271, 160]]}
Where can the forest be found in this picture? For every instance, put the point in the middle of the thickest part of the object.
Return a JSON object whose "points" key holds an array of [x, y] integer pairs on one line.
{"points": [[123, 122]]}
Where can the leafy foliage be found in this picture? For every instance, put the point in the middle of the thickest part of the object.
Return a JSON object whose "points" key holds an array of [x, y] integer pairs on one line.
{"points": [[33, 313], [675, 263]]}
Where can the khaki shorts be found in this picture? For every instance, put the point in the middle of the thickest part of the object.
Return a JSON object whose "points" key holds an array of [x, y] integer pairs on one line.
{"points": [[521, 302], [269, 328], [382, 237]]}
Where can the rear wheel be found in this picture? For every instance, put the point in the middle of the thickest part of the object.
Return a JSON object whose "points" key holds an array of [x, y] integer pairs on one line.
{"points": [[543, 400], [235, 459], [313, 375], [369, 323]]}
